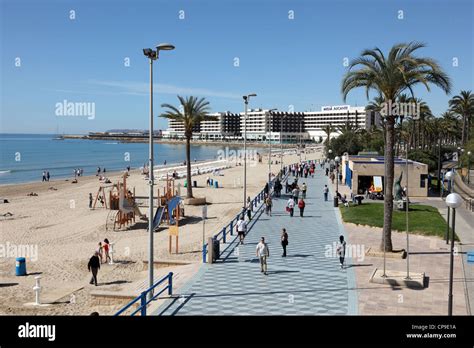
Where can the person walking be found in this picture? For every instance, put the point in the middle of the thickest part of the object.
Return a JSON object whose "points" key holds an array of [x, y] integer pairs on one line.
{"points": [[249, 208], [90, 200], [106, 250], [332, 177], [295, 193], [100, 252], [44, 176], [241, 229], [341, 250], [94, 266], [301, 205], [303, 190], [263, 253], [47, 176], [327, 171], [268, 205], [326, 192], [284, 241], [290, 206]]}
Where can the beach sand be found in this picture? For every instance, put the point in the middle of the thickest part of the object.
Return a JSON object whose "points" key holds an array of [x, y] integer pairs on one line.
{"points": [[66, 233]]}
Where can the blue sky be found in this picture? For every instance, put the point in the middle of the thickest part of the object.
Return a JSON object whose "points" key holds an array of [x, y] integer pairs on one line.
{"points": [[285, 61]]}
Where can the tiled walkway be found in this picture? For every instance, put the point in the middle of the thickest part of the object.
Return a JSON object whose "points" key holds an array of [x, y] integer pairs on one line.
{"points": [[306, 282]]}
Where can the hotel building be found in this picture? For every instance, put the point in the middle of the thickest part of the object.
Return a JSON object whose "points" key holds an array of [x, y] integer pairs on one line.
{"points": [[262, 124]]}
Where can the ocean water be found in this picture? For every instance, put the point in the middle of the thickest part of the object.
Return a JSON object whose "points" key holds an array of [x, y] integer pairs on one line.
{"points": [[24, 157]]}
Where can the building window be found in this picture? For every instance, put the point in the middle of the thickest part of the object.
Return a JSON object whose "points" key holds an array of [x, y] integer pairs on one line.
{"points": [[423, 178]]}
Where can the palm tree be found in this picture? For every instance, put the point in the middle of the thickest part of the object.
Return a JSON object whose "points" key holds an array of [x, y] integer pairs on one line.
{"points": [[328, 129], [463, 105], [193, 111], [390, 76]]}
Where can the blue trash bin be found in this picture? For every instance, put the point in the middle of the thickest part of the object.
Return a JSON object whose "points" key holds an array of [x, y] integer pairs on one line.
{"points": [[211, 182], [216, 184], [20, 269]]}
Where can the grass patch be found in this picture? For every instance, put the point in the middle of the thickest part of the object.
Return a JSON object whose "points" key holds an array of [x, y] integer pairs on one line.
{"points": [[422, 219]]}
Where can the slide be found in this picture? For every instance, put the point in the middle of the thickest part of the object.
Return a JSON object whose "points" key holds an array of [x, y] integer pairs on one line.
{"points": [[157, 218], [172, 204]]}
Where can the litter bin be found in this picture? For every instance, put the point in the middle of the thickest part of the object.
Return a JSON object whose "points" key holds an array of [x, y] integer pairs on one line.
{"points": [[195, 183], [336, 202], [20, 269], [211, 182], [216, 184], [185, 183], [216, 249]]}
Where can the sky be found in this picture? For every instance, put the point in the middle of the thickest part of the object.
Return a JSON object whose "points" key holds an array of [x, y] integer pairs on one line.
{"points": [[291, 53]]}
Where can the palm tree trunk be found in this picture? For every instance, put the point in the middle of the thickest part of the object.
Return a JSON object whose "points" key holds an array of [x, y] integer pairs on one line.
{"points": [[388, 184], [189, 191], [463, 136]]}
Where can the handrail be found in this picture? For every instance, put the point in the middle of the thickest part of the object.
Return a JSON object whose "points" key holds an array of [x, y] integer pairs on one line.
{"points": [[142, 297]]}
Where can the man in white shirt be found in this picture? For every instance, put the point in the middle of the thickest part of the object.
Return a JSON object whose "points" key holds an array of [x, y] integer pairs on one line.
{"points": [[241, 229], [262, 254]]}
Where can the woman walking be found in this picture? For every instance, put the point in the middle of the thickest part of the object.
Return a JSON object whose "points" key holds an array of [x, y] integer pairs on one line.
{"points": [[284, 241], [290, 206], [301, 205]]}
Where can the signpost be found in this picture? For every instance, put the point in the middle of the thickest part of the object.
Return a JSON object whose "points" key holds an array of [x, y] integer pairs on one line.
{"points": [[204, 217]]}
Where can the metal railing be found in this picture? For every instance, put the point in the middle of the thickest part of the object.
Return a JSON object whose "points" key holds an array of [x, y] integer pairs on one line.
{"points": [[229, 228], [143, 296]]}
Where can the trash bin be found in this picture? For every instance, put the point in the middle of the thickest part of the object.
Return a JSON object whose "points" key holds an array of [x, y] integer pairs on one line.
{"points": [[20, 269], [336, 202], [185, 183], [216, 249], [211, 182], [195, 183], [216, 184]]}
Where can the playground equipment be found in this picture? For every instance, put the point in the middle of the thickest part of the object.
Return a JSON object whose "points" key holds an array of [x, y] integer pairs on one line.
{"points": [[170, 207], [121, 202]]}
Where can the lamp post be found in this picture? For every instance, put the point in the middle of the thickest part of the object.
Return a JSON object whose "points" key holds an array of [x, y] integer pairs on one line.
{"points": [[269, 113], [152, 55], [469, 153], [281, 141], [246, 102], [449, 176], [336, 199], [453, 201]]}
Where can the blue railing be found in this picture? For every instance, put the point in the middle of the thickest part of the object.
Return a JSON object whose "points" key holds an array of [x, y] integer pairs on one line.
{"points": [[229, 228], [143, 296]]}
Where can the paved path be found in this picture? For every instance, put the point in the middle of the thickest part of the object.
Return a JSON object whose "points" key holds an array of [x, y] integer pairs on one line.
{"points": [[305, 282]]}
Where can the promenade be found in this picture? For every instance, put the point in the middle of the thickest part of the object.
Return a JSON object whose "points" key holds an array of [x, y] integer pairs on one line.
{"points": [[306, 282]]}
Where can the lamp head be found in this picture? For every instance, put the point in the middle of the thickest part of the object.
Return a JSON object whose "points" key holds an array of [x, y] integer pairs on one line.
{"points": [[450, 175], [164, 47], [454, 200], [337, 159]]}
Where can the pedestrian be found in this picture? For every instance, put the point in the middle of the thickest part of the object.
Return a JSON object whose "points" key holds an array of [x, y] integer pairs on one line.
{"points": [[340, 178], [268, 205], [284, 241], [303, 190], [327, 171], [263, 253], [249, 208], [98, 171], [301, 205], [290, 206], [341, 250], [332, 177], [47, 176], [241, 229], [44, 176], [208, 181], [103, 170], [326, 192], [90, 200], [295, 194], [94, 266], [106, 250], [100, 252]]}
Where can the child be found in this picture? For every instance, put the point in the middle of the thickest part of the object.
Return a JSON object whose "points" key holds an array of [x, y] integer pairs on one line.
{"points": [[106, 250]]}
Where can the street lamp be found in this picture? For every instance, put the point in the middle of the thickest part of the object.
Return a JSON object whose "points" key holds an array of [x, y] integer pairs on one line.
{"points": [[152, 55], [281, 140], [246, 102], [337, 159], [270, 126], [453, 200], [450, 177], [469, 153]]}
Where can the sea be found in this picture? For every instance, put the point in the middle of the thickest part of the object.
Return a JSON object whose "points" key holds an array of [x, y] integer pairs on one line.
{"points": [[24, 157]]}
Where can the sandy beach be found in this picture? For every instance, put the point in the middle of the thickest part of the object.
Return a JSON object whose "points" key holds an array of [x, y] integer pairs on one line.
{"points": [[66, 232]]}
